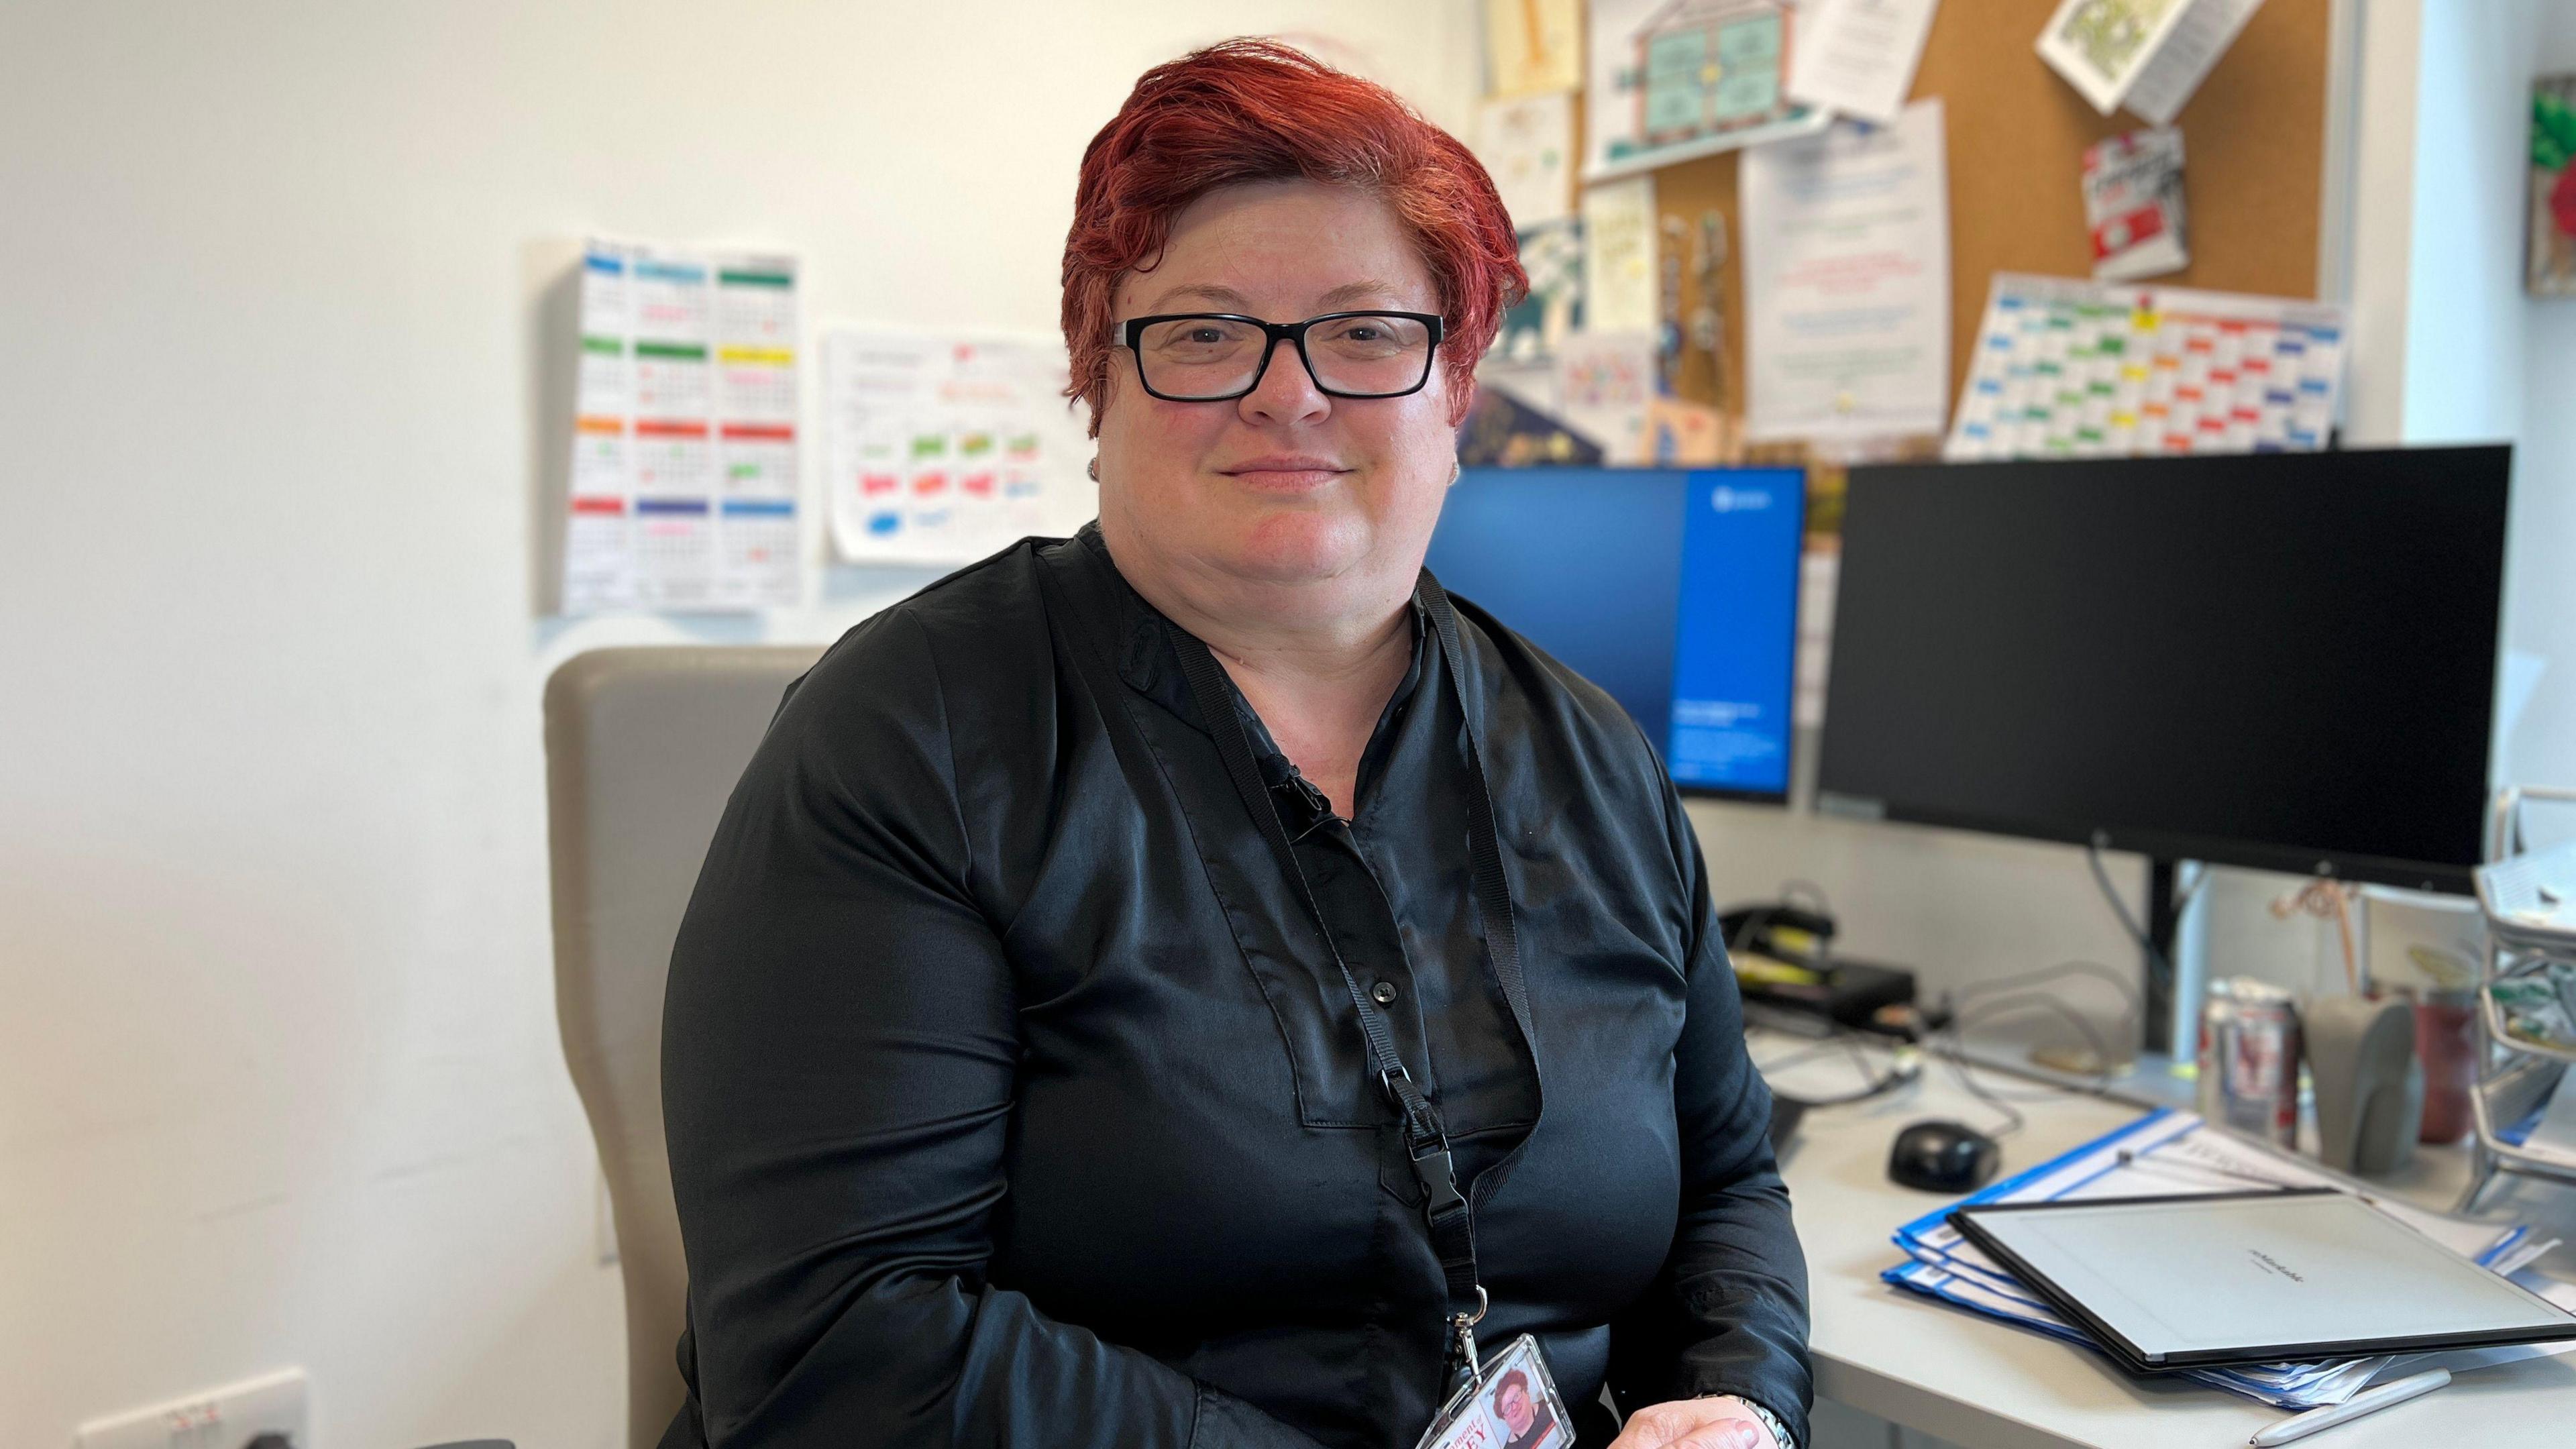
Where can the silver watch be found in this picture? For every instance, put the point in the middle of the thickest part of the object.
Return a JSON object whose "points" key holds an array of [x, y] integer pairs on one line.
{"points": [[1770, 1421]]}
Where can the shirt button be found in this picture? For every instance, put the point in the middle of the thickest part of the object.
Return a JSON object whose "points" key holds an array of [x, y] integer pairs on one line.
{"points": [[1385, 993]]}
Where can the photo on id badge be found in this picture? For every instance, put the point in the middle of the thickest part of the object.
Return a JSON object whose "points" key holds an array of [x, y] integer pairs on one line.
{"points": [[1513, 1406]]}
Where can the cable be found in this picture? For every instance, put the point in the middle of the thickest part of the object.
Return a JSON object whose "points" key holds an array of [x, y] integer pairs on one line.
{"points": [[1959, 1069], [2120, 908], [1902, 1070], [1954, 1030], [2101, 1074], [2130, 1003]]}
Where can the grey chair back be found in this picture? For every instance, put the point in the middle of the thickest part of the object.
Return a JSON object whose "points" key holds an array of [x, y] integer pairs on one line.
{"points": [[643, 747]]}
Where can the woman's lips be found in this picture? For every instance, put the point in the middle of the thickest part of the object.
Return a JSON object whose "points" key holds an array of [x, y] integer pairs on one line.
{"points": [[1285, 475]]}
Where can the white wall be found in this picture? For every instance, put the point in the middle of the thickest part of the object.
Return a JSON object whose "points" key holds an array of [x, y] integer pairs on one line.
{"points": [[2464, 307], [2379, 236], [279, 1081], [2541, 619], [2446, 145]]}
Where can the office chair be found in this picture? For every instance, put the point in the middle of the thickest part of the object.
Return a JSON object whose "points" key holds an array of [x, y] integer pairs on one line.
{"points": [[643, 747]]}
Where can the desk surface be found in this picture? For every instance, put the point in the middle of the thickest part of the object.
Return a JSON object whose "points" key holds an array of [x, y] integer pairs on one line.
{"points": [[1974, 1381]]}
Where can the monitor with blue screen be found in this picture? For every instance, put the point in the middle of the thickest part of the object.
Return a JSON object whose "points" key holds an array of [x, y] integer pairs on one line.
{"points": [[1675, 590]]}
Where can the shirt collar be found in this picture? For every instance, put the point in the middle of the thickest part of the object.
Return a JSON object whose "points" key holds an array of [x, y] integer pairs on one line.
{"points": [[1149, 664]]}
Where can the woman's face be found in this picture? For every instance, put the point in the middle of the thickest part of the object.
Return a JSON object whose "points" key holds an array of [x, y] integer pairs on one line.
{"points": [[1284, 485]]}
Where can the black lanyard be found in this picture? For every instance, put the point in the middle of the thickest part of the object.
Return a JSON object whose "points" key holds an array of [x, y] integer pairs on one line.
{"points": [[1445, 1209]]}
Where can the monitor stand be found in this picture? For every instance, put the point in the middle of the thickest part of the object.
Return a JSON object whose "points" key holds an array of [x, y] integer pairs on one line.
{"points": [[2159, 1033]]}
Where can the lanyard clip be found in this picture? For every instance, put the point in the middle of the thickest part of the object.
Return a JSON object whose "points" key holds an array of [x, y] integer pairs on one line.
{"points": [[1426, 1141], [1462, 1328], [1439, 1178]]}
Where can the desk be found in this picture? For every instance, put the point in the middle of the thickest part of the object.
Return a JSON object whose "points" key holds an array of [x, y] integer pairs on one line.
{"points": [[1976, 1382]]}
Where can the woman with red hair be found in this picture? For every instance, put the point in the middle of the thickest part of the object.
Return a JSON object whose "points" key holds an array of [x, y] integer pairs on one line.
{"points": [[1191, 983]]}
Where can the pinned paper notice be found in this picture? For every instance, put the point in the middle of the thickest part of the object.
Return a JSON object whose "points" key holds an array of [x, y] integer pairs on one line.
{"points": [[2133, 204], [1533, 45], [1527, 146], [2149, 55], [1668, 80], [1847, 281], [941, 449], [1619, 256], [2093, 369], [1858, 56], [684, 476]]}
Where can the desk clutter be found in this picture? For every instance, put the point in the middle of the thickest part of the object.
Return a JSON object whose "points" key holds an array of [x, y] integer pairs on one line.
{"points": [[2176, 1154], [2524, 1109]]}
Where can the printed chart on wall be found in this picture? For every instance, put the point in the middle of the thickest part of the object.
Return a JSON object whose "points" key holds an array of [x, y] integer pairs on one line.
{"points": [[1672, 79], [943, 448], [684, 475], [2068, 368]]}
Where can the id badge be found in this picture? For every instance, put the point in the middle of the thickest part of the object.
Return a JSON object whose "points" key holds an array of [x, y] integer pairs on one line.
{"points": [[1510, 1404]]}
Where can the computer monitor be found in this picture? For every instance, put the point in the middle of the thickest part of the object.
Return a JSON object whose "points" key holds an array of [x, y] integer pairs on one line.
{"points": [[2283, 661], [1675, 590]]}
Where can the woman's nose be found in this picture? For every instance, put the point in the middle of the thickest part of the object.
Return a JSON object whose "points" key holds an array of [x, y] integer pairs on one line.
{"points": [[1286, 392]]}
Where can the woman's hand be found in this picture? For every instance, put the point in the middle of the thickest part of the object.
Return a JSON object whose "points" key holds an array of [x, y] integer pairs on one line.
{"points": [[1720, 1423]]}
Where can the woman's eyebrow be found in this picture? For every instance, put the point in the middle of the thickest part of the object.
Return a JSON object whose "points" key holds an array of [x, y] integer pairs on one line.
{"points": [[1210, 292], [1350, 292], [1220, 296]]}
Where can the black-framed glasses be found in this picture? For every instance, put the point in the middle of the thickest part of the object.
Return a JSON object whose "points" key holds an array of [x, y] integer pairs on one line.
{"points": [[1220, 356]]}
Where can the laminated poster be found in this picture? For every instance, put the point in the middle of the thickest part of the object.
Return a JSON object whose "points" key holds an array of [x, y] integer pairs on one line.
{"points": [[684, 478]]}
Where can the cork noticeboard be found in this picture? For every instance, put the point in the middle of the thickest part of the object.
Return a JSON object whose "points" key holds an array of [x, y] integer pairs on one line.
{"points": [[2254, 146]]}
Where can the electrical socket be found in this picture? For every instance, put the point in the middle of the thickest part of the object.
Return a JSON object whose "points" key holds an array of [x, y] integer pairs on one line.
{"points": [[225, 1418]]}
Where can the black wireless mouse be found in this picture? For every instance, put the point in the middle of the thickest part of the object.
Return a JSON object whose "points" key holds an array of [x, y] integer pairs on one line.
{"points": [[1942, 1156]]}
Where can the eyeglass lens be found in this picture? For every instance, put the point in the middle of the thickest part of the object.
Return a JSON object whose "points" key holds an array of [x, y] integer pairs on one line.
{"points": [[1216, 357]]}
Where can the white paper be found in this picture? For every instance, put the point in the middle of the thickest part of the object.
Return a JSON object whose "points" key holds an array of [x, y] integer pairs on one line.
{"points": [[1533, 45], [1603, 384], [943, 448], [2149, 55], [1858, 56], [2188, 54], [1847, 281], [1619, 256], [684, 475], [1527, 146], [2081, 369], [1666, 81], [2102, 46]]}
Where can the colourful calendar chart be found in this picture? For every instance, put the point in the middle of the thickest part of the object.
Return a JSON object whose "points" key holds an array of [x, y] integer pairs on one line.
{"points": [[684, 479], [2077, 369], [942, 449]]}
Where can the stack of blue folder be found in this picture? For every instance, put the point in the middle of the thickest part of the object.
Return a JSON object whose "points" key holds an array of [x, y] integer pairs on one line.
{"points": [[2169, 1153]]}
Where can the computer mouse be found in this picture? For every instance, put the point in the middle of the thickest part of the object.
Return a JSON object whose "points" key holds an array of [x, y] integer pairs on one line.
{"points": [[1943, 1156]]}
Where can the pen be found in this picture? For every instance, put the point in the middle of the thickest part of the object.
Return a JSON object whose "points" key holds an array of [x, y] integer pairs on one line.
{"points": [[2367, 1401]]}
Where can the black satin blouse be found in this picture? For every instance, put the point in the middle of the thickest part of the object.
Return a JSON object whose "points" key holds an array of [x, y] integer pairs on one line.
{"points": [[1012, 1097]]}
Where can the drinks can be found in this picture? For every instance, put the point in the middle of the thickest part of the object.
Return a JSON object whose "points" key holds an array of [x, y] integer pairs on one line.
{"points": [[2249, 1060]]}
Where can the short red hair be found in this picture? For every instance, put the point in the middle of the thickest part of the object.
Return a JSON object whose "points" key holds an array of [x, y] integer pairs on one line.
{"points": [[1256, 110]]}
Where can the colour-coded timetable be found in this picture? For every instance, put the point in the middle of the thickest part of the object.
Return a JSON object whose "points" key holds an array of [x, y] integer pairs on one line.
{"points": [[684, 477], [2088, 369], [943, 448]]}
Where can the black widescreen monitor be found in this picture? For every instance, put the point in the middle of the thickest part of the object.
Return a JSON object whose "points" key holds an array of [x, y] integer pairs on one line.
{"points": [[1675, 590], [2284, 661]]}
